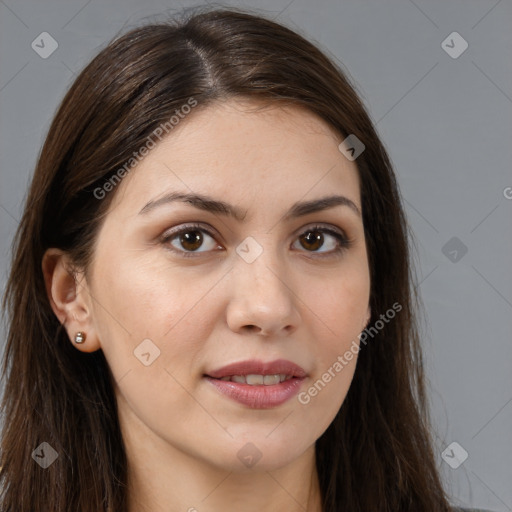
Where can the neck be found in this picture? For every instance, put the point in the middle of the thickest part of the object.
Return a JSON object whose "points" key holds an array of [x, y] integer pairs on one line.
{"points": [[163, 478]]}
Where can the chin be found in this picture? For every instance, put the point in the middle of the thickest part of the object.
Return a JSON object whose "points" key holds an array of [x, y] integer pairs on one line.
{"points": [[261, 452]]}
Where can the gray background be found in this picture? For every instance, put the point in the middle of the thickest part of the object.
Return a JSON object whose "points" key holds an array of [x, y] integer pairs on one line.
{"points": [[447, 125]]}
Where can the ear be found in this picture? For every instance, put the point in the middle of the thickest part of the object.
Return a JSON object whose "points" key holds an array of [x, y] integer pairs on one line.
{"points": [[69, 298]]}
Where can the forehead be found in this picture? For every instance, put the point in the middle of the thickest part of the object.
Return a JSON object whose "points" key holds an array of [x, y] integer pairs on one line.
{"points": [[240, 149]]}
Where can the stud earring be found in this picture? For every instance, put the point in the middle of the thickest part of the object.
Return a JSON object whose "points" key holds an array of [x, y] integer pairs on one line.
{"points": [[79, 337]]}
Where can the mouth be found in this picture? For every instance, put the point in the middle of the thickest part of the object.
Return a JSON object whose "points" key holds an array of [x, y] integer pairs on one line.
{"points": [[254, 370], [257, 380], [256, 384]]}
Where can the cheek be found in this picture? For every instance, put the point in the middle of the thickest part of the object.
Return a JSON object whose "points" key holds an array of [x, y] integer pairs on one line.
{"points": [[335, 364], [153, 309], [130, 307], [337, 318], [151, 326], [340, 303]]}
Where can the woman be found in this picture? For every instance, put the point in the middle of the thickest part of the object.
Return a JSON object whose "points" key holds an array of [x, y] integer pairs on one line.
{"points": [[210, 298]]}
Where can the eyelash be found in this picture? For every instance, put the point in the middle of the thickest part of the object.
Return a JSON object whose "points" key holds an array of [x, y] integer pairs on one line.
{"points": [[343, 242]]}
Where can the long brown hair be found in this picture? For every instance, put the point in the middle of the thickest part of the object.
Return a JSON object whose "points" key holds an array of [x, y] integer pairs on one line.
{"points": [[376, 455]]}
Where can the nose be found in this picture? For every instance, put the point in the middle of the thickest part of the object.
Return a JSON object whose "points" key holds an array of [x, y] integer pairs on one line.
{"points": [[263, 298]]}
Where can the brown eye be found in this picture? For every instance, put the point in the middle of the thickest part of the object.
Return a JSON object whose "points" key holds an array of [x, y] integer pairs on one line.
{"points": [[312, 241], [315, 238], [187, 241], [191, 240]]}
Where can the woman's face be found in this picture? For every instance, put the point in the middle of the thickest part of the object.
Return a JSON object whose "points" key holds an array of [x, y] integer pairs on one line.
{"points": [[170, 310]]}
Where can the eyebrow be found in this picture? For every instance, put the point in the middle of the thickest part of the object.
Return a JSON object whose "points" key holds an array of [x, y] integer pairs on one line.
{"points": [[213, 205]]}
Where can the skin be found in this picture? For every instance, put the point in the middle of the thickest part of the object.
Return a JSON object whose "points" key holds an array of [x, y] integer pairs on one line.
{"points": [[181, 435]]}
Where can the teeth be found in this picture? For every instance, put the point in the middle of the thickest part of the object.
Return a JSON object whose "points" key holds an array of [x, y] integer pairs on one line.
{"points": [[254, 380], [258, 380], [269, 380]]}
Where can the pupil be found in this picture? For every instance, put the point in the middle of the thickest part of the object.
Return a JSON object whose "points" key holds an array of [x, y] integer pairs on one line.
{"points": [[195, 239], [312, 239]]}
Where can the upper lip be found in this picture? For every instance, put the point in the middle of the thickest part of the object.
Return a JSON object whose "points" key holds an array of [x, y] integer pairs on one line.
{"points": [[256, 367]]}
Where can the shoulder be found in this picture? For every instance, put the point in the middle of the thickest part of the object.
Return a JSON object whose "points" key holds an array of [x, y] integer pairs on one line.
{"points": [[458, 509]]}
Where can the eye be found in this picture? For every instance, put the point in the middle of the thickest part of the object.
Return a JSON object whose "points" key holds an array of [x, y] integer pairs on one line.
{"points": [[189, 238], [314, 238]]}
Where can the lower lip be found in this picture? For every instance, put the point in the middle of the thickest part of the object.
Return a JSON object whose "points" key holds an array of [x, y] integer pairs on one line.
{"points": [[260, 396]]}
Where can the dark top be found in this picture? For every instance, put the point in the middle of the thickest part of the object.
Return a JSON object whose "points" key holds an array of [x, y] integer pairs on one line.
{"points": [[457, 509]]}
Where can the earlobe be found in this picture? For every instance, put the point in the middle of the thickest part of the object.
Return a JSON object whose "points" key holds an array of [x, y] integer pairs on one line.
{"points": [[69, 298]]}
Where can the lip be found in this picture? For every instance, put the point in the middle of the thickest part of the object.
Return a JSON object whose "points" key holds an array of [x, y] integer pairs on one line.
{"points": [[258, 367], [258, 396]]}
